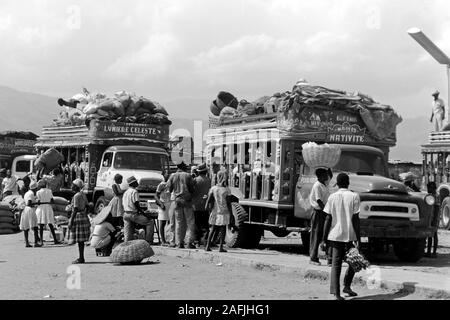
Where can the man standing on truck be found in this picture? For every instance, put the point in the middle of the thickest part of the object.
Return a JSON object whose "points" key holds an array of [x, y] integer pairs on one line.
{"points": [[438, 112], [134, 214], [341, 230], [181, 185]]}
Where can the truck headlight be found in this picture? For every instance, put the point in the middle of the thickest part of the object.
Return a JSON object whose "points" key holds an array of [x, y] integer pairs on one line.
{"points": [[430, 200]]}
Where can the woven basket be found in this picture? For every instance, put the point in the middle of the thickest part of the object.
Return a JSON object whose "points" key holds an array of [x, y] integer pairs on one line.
{"points": [[132, 252], [325, 155]]}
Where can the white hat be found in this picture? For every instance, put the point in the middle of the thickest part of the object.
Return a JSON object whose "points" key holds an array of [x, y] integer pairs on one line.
{"points": [[435, 93], [33, 185], [79, 183]]}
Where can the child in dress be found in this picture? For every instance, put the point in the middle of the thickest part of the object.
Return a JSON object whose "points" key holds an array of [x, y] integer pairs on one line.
{"points": [[44, 211], [116, 202], [163, 202], [221, 211], [79, 225], [28, 220]]}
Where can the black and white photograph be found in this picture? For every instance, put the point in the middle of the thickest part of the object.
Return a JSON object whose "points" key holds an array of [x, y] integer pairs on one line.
{"points": [[224, 158]]}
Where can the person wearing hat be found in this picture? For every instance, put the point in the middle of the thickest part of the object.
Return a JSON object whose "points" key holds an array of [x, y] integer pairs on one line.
{"points": [[408, 180], [44, 211], [133, 213], [342, 232], [194, 172], [181, 185], [438, 111], [79, 225], [163, 201], [28, 219], [202, 185], [102, 238]]}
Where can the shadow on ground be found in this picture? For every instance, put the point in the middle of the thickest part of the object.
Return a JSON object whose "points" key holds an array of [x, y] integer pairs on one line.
{"points": [[408, 289]]}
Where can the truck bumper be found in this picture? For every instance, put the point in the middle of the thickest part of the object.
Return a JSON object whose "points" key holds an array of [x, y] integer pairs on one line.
{"points": [[396, 232]]}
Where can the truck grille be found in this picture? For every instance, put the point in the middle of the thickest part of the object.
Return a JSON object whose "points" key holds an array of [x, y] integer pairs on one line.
{"points": [[388, 209]]}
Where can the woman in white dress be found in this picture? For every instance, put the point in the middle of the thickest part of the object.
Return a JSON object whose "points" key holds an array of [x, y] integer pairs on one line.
{"points": [[28, 219], [44, 211]]}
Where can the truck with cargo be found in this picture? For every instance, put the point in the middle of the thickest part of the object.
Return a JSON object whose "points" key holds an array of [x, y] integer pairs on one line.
{"points": [[96, 152], [436, 168], [16, 152], [270, 179]]}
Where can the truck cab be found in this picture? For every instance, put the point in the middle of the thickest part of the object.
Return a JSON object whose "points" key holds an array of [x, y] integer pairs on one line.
{"points": [[23, 165], [146, 164], [272, 182]]}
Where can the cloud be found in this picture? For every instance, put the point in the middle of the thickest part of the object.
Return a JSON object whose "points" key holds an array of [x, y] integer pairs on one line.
{"points": [[151, 61]]}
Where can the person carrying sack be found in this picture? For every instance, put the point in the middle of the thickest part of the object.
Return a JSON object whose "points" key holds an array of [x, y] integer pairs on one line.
{"points": [[341, 230]]}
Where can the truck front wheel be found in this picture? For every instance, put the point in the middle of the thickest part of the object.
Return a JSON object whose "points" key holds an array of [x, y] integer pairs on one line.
{"points": [[247, 236], [409, 250], [100, 204], [445, 213]]}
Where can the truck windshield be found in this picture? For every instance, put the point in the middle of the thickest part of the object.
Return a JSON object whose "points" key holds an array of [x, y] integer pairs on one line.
{"points": [[361, 162], [140, 161]]}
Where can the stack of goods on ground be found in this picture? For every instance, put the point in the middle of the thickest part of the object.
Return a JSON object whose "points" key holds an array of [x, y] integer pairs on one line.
{"points": [[122, 107], [8, 224], [381, 120]]}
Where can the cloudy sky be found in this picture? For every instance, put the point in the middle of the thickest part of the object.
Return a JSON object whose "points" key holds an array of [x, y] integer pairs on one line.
{"points": [[176, 49]]}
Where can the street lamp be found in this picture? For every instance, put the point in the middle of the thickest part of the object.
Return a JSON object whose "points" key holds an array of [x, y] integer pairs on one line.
{"points": [[436, 53]]}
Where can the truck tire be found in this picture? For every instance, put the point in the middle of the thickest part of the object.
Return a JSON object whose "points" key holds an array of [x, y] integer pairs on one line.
{"points": [[247, 236], [409, 250], [445, 214], [100, 204], [306, 237]]}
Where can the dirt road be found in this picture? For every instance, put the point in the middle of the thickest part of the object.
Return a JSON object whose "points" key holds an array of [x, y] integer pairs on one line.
{"points": [[41, 273]]}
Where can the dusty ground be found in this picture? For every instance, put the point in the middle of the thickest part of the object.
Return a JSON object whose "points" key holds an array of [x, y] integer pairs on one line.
{"points": [[441, 265], [41, 273]]}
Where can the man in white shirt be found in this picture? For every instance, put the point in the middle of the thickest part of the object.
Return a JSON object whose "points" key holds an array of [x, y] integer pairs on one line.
{"points": [[9, 184], [341, 230], [438, 112], [133, 214], [318, 198]]}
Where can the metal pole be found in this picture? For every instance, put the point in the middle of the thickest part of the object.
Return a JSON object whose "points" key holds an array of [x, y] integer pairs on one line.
{"points": [[448, 93]]}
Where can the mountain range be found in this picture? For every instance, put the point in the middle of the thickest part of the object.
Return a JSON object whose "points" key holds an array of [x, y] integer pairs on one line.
{"points": [[24, 111]]}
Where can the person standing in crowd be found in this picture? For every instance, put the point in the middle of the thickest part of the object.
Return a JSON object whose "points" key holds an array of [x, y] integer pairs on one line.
{"points": [[55, 181], [117, 202], [44, 211], [79, 225], [25, 186], [342, 232], [28, 219], [408, 180], [220, 201], [133, 213], [2, 177], [433, 241], [181, 185], [318, 198], [202, 185], [438, 112], [163, 202], [9, 184]]}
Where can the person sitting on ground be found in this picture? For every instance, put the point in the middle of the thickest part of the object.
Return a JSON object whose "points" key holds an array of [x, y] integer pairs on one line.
{"points": [[104, 235], [220, 201], [44, 211], [28, 219], [433, 241]]}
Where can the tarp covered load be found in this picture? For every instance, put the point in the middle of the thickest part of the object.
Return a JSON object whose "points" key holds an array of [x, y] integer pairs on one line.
{"points": [[309, 107], [123, 107]]}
